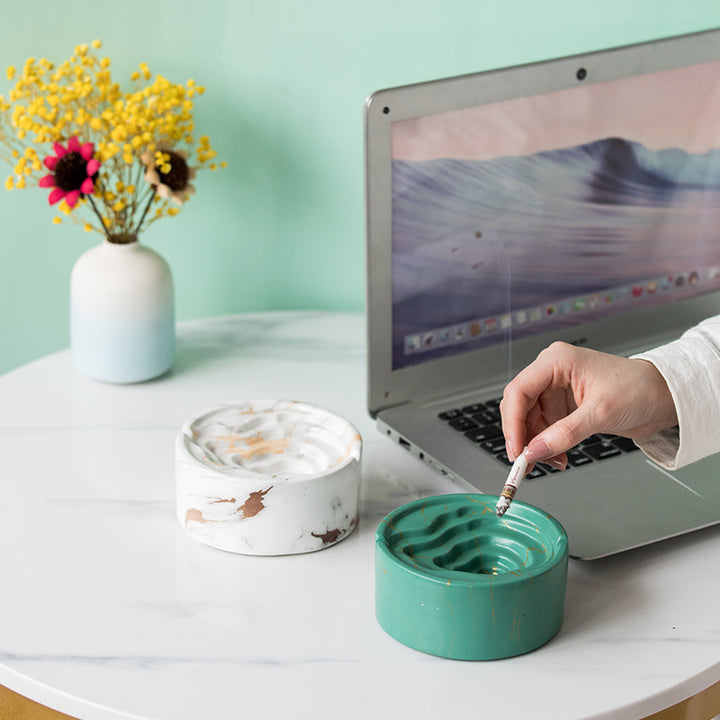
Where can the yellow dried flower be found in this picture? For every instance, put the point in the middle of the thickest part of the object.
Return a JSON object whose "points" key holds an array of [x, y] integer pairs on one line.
{"points": [[147, 131]]}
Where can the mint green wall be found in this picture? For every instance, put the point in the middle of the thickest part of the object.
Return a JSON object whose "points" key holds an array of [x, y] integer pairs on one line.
{"points": [[283, 226]]}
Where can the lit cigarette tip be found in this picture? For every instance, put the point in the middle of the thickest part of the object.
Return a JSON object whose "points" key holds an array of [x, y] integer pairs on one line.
{"points": [[502, 506], [515, 476]]}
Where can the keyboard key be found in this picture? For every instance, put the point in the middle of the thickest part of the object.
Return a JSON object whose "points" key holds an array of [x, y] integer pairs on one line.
{"points": [[493, 404], [602, 451], [536, 472], [474, 408], [504, 458], [463, 424], [625, 444], [576, 458], [450, 415], [486, 417], [484, 432], [495, 445], [549, 468]]}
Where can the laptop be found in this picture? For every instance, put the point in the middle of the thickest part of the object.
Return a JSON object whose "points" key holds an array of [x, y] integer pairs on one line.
{"points": [[576, 199]]}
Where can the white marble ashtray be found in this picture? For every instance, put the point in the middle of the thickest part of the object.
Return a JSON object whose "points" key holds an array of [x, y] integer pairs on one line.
{"points": [[268, 477]]}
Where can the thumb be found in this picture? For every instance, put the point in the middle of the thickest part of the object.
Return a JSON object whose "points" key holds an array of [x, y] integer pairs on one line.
{"points": [[561, 436]]}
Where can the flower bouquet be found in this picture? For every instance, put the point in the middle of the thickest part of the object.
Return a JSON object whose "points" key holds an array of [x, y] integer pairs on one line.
{"points": [[122, 160], [115, 161]]}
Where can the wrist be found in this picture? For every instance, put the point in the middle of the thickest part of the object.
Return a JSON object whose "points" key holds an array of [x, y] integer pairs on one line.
{"points": [[659, 398]]}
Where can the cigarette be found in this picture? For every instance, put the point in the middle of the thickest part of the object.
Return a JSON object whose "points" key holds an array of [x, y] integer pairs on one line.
{"points": [[515, 476]]}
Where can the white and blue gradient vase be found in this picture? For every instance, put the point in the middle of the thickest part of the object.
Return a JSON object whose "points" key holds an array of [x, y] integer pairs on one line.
{"points": [[122, 313]]}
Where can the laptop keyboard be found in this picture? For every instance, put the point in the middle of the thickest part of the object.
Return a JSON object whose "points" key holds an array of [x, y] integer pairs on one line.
{"points": [[480, 423]]}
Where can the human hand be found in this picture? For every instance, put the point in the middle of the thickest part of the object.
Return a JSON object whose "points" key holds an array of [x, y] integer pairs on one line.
{"points": [[569, 393]]}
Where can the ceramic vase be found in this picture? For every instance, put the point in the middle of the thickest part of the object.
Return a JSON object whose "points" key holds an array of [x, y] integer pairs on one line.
{"points": [[122, 316]]}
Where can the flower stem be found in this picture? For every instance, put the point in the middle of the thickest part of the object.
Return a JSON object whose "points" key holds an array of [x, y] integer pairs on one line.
{"points": [[102, 222], [145, 211]]}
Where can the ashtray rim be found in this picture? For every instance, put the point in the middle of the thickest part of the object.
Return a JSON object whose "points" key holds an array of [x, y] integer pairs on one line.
{"points": [[243, 475], [558, 542]]}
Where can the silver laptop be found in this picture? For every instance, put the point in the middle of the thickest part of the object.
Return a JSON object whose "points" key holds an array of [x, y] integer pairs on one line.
{"points": [[576, 199]]}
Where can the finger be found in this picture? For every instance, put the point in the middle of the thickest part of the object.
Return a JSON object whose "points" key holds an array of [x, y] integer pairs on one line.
{"points": [[537, 422], [519, 406], [551, 406], [556, 403], [562, 435], [559, 462]]}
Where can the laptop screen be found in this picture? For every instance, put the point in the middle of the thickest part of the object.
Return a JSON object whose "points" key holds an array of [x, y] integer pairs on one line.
{"points": [[527, 215]]}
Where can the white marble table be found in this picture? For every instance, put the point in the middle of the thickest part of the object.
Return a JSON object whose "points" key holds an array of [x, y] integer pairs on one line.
{"points": [[108, 610]]}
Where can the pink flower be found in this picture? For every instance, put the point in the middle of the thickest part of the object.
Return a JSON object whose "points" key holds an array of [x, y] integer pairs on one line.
{"points": [[72, 171]]}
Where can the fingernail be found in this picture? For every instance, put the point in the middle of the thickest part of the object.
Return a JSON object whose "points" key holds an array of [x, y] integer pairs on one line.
{"points": [[536, 450], [557, 462]]}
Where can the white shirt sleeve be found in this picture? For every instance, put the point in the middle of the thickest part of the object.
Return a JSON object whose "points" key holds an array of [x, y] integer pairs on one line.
{"points": [[691, 368]]}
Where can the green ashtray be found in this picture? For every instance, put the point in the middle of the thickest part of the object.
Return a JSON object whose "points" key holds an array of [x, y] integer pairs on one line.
{"points": [[452, 579]]}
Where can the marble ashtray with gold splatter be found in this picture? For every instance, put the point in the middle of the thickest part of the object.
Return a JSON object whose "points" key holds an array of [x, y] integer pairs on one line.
{"points": [[268, 477]]}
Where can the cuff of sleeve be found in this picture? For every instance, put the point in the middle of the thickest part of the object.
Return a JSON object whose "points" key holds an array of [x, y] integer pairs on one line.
{"points": [[662, 447], [687, 366]]}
